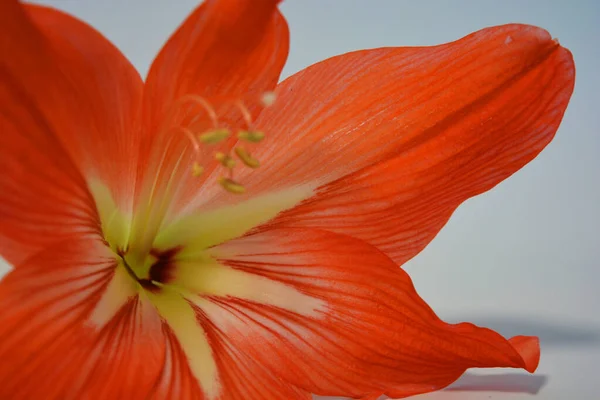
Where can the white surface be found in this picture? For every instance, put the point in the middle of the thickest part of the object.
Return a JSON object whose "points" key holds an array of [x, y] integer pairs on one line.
{"points": [[520, 259]]}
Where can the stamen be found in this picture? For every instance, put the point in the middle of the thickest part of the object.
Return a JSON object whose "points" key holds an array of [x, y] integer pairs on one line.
{"points": [[190, 136], [245, 113], [251, 136], [247, 158], [231, 185], [200, 132], [197, 169], [198, 100], [268, 98], [225, 160], [215, 136]]}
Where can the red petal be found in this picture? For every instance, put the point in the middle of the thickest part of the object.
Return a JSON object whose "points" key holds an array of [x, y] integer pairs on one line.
{"points": [[55, 347], [373, 333], [395, 139], [226, 50], [243, 376], [198, 366], [69, 99], [529, 348], [238, 381]]}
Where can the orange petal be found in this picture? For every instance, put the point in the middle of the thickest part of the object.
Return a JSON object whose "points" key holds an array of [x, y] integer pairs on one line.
{"points": [[372, 333], [50, 336], [225, 48], [69, 101], [225, 51], [403, 136]]}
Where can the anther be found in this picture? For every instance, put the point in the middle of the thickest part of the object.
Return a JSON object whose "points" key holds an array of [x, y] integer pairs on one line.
{"points": [[225, 160], [246, 157], [215, 136], [251, 136], [197, 169], [231, 185]]}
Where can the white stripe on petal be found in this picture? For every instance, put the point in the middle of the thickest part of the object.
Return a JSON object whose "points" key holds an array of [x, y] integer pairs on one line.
{"points": [[117, 293], [224, 281], [181, 318]]}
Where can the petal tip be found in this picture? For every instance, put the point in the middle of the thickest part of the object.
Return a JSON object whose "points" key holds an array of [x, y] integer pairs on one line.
{"points": [[528, 348]]}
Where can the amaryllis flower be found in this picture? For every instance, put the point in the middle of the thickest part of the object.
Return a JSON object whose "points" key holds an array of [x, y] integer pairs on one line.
{"points": [[211, 234]]}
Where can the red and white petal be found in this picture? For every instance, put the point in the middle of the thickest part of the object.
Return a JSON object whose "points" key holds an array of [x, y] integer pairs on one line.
{"points": [[200, 365], [103, 96], [226, 51], [366, 331], [69, 101], [400, 204], [392, 140], [243, 377], [58, 345]]}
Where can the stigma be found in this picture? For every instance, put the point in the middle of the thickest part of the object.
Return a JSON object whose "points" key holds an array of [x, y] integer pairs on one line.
{"points": [[232, 146]]}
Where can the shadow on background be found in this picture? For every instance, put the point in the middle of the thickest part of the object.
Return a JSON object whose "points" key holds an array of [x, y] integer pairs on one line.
{"points": [[506, 383], [551, 334], [502, 383]]}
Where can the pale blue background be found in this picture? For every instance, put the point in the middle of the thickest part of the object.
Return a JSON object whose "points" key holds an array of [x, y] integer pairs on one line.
{"points": [[522, 258]]}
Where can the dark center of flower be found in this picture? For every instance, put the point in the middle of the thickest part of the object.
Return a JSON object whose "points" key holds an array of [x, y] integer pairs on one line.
{"points": [[160, 271]]}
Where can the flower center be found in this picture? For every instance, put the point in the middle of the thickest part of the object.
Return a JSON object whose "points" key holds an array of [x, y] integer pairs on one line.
{"points": [[183, 269], [153, 260], [155, 272]]}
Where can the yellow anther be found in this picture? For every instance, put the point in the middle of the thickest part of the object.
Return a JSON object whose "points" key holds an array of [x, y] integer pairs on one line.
{"points": [[197, 169], [246, 157], [268, 98], [251, 136], [225, 160], [231, 185], [215, 136]]}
